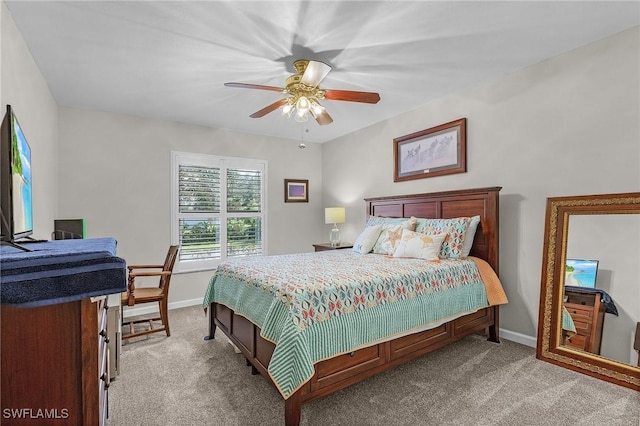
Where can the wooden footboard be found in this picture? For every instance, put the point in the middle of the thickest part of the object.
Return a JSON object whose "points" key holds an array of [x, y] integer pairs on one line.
{"points": [[344, 370]]}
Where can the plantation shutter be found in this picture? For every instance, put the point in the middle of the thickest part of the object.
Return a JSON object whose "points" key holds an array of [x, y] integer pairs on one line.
{"points": [[199, 192], [244, 195], [218, 209]]}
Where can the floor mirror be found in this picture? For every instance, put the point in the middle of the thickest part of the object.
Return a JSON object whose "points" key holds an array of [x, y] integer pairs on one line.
{"points": [[589, 317]]}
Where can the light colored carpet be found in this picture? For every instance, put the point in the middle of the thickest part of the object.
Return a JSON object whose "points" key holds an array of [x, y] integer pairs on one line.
{"points": [[185, 380]]}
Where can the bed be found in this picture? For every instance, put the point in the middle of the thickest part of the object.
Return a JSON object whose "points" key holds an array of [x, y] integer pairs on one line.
{"points": [[292, 339]]}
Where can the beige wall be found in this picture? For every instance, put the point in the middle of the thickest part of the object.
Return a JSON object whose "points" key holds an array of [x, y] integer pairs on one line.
{"points": [[566, 126], [115, 172], [24, 88]]}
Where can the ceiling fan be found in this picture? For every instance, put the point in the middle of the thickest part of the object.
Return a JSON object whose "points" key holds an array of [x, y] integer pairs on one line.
{"points": [[304, 94]]}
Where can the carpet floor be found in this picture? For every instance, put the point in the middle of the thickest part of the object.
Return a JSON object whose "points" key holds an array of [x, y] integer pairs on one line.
{"points": [[185, 380]]}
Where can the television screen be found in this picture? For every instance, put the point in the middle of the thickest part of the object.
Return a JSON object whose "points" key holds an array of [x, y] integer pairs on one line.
{"points": [[580, 273], [15, 180], [21, 181]]}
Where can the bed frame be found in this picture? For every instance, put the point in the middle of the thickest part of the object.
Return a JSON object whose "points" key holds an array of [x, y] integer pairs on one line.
{"points": [[341, 371]]}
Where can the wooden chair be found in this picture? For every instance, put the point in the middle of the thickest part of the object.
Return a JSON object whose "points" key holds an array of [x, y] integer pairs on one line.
{"points": [[135, 296]]}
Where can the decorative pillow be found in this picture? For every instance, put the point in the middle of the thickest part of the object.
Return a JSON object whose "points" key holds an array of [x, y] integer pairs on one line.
{"points": [[385, 221], [471, 232], [391, 234], [421, 246], [456, 230], [367, 239]]}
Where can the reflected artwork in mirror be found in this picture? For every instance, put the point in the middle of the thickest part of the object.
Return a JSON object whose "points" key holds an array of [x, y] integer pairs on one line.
{"points": [[590, 287]]}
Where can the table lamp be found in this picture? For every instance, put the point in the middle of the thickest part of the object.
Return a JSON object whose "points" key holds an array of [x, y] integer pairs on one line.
{"points": [[334, 215]]}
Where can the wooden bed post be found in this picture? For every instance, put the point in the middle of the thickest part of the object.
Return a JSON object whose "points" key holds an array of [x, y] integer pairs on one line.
{"points": [[212, 323], [494, 334], [292, 409]]}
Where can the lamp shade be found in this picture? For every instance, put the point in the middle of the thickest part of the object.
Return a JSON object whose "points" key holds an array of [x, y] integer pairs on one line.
{"points": [[334, 215]]}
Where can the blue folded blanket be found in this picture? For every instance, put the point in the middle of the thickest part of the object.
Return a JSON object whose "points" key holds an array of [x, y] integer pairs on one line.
{"points": [[60, 271]]}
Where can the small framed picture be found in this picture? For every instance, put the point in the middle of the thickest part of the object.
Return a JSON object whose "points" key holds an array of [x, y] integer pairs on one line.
{"points": [[437, 151], [296, 191], [580, 273]]}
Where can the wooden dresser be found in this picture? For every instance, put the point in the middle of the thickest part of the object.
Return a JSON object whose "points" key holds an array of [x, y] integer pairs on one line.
{"points": [[587, 312], [55, 363], [54, 337]]}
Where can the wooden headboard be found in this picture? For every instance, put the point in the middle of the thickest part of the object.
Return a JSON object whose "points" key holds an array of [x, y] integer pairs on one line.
{"points": [[483, 202]]}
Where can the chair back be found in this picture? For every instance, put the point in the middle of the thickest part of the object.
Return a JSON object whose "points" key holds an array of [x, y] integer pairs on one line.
{"points": [[169, 261]]}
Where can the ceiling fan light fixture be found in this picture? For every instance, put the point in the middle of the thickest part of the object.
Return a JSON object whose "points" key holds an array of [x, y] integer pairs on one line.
{"points": [[316, 108], [287, 109], [301, 116], [302, 94], [303, 104]]}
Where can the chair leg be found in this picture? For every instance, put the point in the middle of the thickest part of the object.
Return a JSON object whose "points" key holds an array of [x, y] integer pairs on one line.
{"points": [[165, 316]]}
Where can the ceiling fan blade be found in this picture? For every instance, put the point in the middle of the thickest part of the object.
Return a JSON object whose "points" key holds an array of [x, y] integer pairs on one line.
{"points": [[314, 73], [254, 86], [351, 96], [269, 108], [324, 118]]}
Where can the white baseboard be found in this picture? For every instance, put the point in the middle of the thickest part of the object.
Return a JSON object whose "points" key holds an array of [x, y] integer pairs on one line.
{"points": [[518, 337], [151, 308]]}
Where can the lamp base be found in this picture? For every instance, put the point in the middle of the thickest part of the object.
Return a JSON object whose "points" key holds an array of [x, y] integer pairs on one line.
{"points": [[334, 237]]}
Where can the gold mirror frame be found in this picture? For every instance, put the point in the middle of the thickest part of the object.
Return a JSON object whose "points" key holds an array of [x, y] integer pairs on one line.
{"points": [[559, 210]]}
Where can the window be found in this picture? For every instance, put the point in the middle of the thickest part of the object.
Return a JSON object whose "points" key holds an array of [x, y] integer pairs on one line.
{"points": [[218, 208]]}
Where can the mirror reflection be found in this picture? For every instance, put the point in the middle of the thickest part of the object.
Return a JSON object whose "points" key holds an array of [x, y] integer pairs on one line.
{"points": [[602, 285], [590, 286]]}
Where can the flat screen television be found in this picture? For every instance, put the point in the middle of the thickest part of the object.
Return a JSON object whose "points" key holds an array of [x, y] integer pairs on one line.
{"points": [[581, 273], [15, 180]]}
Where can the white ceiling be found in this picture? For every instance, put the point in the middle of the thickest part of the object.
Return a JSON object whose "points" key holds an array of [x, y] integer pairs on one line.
{"points": [[170, 59]]}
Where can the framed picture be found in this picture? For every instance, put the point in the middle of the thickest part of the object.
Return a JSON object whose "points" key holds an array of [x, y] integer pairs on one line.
{"points": [[580, 273], [296, 191], [440, 150]]}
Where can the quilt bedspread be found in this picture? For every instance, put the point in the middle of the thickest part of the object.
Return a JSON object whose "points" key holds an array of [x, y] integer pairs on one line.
{"points": [[317, 305]]}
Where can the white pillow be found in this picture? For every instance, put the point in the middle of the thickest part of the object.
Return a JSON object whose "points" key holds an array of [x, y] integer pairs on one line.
{"points": [[421, 246], [468, 238], [367, 239]]}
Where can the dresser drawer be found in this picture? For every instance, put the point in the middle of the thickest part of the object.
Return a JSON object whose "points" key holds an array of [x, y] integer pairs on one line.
{"points": [[103, 383], [583, 328], [344, 366], [576, 341], [580, 310], [417, 341], [103, 359]]}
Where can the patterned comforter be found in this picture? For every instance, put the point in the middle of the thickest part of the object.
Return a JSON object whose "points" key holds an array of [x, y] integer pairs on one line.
{"points": [[314, 306]]}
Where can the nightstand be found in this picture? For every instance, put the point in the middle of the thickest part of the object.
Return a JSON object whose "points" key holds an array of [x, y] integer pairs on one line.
{"points": [[587, 312], [327, 246]]}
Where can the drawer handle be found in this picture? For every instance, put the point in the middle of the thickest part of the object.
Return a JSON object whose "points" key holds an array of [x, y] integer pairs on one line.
{"points": [[351, 354]]}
